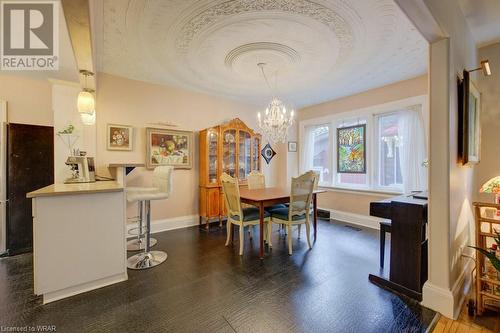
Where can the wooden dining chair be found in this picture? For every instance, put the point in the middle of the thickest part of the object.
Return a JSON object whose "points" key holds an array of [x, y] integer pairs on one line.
{"points": [[298, 212], [256, 180], [236, 215]]}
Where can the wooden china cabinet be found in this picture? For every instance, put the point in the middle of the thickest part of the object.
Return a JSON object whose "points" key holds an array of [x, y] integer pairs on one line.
{"points": [[233, 148]]}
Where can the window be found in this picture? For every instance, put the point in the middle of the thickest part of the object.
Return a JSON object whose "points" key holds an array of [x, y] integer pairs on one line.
{"points": [[380, 151], [389, 151], [320, 155]]}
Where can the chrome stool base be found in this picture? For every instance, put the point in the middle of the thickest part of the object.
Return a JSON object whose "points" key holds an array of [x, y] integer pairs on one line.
{"points": [[139, 244], [146, 260]]}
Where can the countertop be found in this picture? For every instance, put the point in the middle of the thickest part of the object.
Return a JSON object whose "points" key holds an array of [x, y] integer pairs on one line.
{"points": [[71, 189], [131, 165]]}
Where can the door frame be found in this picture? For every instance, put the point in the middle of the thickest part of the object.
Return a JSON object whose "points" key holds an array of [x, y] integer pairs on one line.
{"points": [[3, 175]]}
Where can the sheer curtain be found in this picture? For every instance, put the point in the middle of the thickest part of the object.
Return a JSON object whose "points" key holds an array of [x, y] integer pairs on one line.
{"points": [[413, 149], [307, 150]]}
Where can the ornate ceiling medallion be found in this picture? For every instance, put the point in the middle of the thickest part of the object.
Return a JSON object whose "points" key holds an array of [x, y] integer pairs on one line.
{"points": [[287, 52]]}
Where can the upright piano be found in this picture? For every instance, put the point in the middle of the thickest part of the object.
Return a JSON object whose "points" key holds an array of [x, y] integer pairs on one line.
{"points": [[408, 263]]}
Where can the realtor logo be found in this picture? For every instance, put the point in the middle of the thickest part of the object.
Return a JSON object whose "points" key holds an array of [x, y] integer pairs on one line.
{"points": [[30, 35]]}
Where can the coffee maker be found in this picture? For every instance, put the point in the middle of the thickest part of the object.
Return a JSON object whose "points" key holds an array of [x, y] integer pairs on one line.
{"points": [[82, 168]]}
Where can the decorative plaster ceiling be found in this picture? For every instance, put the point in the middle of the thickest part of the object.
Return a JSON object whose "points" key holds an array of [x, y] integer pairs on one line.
{"points": [[314, 50], [483, 18]]}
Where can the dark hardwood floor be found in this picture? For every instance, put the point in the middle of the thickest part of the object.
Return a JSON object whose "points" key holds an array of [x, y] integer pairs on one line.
{"points": [[207, 287]]}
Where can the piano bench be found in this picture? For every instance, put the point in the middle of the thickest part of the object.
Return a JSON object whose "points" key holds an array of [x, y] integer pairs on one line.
{"points": [[385, 226]]}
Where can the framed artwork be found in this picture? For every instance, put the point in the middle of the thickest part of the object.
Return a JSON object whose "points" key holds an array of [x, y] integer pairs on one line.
{"points": [[268, 153], [292, 146], [169, 147], [119, 137], [469, 126], [351, 149]]}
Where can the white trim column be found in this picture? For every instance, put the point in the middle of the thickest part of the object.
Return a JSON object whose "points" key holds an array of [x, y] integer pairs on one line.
{"points": [[437, 293]]}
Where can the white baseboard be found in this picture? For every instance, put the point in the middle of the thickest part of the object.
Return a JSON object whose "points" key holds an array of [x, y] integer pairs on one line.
{"points": [[75, 290], [352, 218], [445, 301], [169, 224]]}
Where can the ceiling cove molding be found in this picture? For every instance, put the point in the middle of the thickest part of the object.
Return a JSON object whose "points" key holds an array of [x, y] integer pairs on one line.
{"points": [[198, 20]]}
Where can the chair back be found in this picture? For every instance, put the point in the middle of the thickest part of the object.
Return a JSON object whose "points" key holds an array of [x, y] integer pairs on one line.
{"points": [[256, 180], [162, 178], [301, 194], [231, 191], [316, 179]]}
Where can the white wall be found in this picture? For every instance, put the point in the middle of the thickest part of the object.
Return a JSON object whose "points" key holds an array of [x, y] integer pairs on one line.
{"points": [[64, 97]]}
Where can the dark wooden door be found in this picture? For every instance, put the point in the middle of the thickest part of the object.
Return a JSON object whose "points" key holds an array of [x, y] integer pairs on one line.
{"points": [[30, 166]]}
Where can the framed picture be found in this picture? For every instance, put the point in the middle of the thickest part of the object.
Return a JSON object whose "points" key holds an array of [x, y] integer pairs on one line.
{"points": [[292, 146], [268, 153], [119, 137], [469, 126], [351, 149], [169, 147]]}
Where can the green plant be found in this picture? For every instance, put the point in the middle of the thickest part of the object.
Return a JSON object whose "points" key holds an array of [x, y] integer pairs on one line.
{"points": [[491, 256], [497, 238], [67, 130]]}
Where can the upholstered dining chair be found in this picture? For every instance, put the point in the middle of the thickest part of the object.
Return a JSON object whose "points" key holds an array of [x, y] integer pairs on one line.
{"points": [[298, 212], [257, 180], [311, 210], [236, 215]]}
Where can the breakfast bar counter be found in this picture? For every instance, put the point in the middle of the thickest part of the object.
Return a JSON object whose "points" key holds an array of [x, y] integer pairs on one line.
{"points": [[78, 238]]}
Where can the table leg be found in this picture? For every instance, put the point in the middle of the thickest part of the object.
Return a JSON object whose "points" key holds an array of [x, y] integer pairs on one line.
{"points": [[382, 246], [261, 223], [315, 213]]}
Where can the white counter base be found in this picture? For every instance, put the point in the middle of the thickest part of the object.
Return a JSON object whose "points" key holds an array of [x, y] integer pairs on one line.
{"points": [[78, 241]]}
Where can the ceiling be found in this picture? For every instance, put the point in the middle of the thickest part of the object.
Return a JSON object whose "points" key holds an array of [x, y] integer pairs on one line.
{"points": [[483, 18], [68, 70], [314, 50]]}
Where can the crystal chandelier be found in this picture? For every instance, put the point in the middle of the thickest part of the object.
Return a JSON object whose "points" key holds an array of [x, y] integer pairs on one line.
{"points": [[277, 119]]}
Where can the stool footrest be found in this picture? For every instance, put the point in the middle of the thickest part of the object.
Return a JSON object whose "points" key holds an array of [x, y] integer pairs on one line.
{"points": [[135, 231]]}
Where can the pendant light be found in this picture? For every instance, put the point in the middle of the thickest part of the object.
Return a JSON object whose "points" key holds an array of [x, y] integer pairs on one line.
{"points": [[86, 101], [277, 119]]}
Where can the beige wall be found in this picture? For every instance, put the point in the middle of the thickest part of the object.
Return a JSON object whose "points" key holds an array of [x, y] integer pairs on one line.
{"points": [[490, 121], [393, 92], [136, 103], [29, 101], [352, 202]]}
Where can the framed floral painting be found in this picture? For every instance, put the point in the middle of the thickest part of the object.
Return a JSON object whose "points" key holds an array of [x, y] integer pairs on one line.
{"points": [[169, 147], [119, 137]]}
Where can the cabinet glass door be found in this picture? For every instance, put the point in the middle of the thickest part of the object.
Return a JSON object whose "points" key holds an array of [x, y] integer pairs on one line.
{"points": [[212, 156], [256, 154], [245, 158], [229, 152]]}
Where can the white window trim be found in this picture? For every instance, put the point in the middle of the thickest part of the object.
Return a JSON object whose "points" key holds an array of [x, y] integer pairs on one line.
{"points": [[366, 114]]}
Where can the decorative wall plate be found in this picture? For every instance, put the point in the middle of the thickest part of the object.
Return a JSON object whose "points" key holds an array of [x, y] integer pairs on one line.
{"points": [[268, 153]]}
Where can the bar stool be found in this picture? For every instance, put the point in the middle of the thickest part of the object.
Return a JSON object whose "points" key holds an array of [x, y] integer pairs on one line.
{"points": [[161, 189], [138, 243]]}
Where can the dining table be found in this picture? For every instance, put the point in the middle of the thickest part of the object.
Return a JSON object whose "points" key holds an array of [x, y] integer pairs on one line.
{"points": [[269, 196]]}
